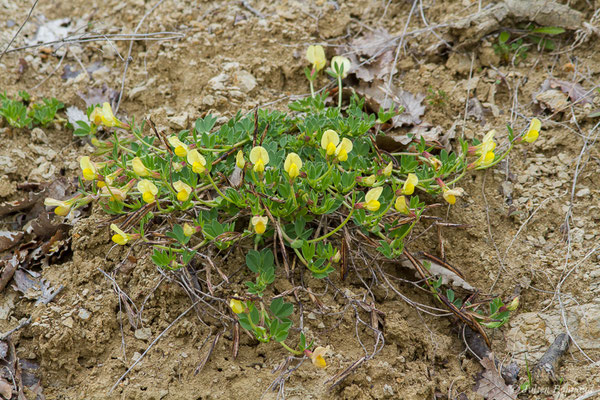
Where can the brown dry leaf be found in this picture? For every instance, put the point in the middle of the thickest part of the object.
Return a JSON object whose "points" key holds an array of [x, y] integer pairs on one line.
{"points": [[573, 91], [437, 270], [491, 385], [5, 389], [376, 98], [372, 55], [9, 239]]}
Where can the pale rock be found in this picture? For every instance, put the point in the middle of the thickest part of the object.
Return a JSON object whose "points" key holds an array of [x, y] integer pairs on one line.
{"points": [[179, 121], [583, 192], [7, 165], [143, 333], [218, 82], [136, 356], [39, 136], [208, 100], [43, 172], [245, 81], [68, 322], [84, 314]]}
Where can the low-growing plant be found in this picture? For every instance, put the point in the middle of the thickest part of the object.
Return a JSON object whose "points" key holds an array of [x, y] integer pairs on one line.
{"points": [[21, 113], [514, 51], [271, 177]]}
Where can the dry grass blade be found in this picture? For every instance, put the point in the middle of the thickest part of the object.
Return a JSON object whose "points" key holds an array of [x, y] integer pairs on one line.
{"points": [[339, 377], [208, 353]]}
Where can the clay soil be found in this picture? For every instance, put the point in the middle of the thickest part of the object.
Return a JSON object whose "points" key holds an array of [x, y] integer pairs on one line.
{"points": [[530, 222]]}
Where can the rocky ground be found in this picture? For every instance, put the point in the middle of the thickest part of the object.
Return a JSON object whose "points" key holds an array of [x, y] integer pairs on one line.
{"points": [[529, 223]]}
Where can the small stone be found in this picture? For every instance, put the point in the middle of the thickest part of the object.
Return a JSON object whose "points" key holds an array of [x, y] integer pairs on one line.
{"points": [[39, 136], [311, 315], [42, 173], [245, 81], [143, 333], [208, 100], [583, 192], [218, 82], [68, 322], [387, 389], [179, 121], [83, 313], [136, 356], [321, 325]]}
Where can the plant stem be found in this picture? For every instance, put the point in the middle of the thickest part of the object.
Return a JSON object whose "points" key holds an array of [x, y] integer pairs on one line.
{"points": [[339, 91], [288, 348], [340, 226], [217, 188]]}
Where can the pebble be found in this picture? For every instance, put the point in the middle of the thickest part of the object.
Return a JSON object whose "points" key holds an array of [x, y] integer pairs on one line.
{"points": [[583, 192], [68, 322], [245, 81], [39, 136], [84, 314], [143, 333]]}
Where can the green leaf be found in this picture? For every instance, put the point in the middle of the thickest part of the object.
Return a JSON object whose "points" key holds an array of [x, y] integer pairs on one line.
{"points": [[549, 30], [503, 38], [281, 309]]}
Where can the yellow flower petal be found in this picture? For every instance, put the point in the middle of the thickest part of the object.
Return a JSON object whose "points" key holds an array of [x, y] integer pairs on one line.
{"points": [[260, 224], [387, 171], [148, 190], [139, 168], [236, 306], [119, 237], [183, 190], [188, 230], [315, 54], [197, 161], [401, 205], [292, 165], [181, 148], [239, 160], [343, 149], [329, 141], [259, 153], [373, 194], [88, 169], [451, 194], [409, 186], [108, 118], [318, 357]]}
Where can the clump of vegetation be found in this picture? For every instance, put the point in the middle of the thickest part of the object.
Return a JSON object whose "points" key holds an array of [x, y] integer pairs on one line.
{"points": [[514, 51], [21, 112], [271, 177]]}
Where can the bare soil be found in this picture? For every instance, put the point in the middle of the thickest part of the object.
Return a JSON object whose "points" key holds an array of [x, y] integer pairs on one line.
{"points": [[531, 221]]}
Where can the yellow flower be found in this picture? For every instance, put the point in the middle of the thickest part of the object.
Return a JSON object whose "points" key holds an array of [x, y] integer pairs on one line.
{"points": [[183, 190], [534, 131], [435, 163], [409, 186], [342, 150], [401, 205], [260, 224], [372, 197], [196, 160], [341, 62], [236, 306], [139, 168], [485, 160], [329, 141], [336, 257], [292, 165], [487, 144], [513, 304], [120, 237], [369, 180], [114, 193], [315, 54], [104, 116], [62, 207], [259, 157], [317, 357], [387, 171], [88, 169], [188, 230], [450, 194], [148, 190], [181, 148], [239, 159]]}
